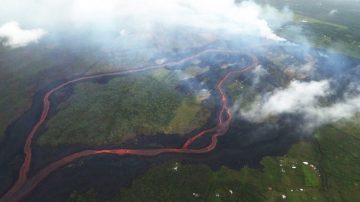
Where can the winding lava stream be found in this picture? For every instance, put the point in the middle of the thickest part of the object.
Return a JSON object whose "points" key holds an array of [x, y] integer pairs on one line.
{"points": [[25, 185]]}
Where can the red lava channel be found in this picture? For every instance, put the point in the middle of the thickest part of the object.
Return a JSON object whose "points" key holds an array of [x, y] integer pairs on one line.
{"points": [[25, 185]]}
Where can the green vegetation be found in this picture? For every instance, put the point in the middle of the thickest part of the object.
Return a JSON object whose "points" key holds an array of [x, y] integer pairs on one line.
{"points": [[243, 94], [286, 175], [193, 71], [124, 107], [89, 196], [236, 89], [305, 19], [325, 169], [14, 92], [325, 34], [188, 116], [326, 24], [24, 70], [339, 145]]}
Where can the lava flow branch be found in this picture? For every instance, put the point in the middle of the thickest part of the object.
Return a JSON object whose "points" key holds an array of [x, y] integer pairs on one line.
{"points": [[24, 185]]}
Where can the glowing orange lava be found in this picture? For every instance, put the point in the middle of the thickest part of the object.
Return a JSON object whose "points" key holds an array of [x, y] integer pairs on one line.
{"points": [[25, 185]]}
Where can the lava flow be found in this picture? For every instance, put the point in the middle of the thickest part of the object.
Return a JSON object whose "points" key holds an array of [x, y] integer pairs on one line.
{"points": [[25, 185]]}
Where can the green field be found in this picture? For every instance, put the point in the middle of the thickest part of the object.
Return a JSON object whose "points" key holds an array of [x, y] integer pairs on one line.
{"points": [[24, 71], [325, 169], [277, 178], [324, 34], [315, 25], [101, 114]]}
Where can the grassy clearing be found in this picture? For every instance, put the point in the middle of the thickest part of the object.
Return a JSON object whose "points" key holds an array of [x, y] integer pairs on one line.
{"points": [[323, 34], [243, 95], [338, 31], [305, 19], [188, 116], [193, 71], [100, 114]]}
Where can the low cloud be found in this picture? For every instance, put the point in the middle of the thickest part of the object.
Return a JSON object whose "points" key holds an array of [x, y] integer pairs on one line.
{"points": [[303, 98], [15, 36], [292, 99], [139, 16]]}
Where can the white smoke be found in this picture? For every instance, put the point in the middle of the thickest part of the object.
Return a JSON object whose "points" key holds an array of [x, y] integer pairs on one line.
{"points": [[225, 16], [294, 98], [333, 12], [259, 72], [303, 98], [15, 36]]}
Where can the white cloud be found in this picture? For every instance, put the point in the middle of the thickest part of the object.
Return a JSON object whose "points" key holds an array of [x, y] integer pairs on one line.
{"points": [[303, 98], [215, 15], [17, 37], [225, 15], [343, 110], [288, 100]]}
